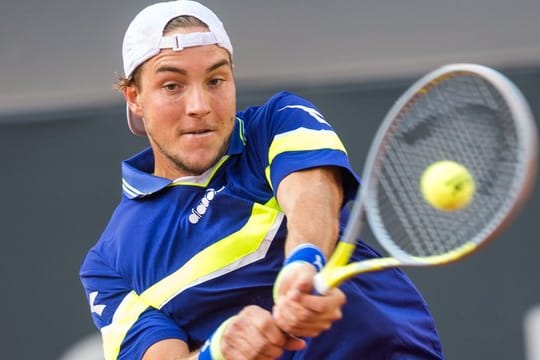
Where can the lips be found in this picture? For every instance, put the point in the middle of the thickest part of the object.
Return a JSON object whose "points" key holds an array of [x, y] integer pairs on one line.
{"points": [[196, 132]]}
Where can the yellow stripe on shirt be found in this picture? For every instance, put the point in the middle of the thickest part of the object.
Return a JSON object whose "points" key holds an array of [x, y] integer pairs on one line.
{"points": [[243, 247], [124, 317], [302, 139]]}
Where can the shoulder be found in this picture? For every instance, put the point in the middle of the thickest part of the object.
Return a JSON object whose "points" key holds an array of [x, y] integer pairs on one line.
{"points": [[286, 98], [282, 112], [275, 103]]}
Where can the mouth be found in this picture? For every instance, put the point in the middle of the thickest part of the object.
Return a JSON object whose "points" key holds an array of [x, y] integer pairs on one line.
{"points": [[196, 131]]}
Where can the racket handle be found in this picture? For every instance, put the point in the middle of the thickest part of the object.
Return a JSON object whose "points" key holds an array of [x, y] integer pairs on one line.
{"points": [[331, 275], [320, 287]]}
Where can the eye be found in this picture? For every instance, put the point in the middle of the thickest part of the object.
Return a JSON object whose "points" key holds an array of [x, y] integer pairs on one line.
{"points": [[171, 86], [215, 81]]}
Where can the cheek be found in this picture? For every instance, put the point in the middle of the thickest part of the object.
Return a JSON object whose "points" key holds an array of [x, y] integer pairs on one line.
{"points": [[160, 111], [227, 108]]}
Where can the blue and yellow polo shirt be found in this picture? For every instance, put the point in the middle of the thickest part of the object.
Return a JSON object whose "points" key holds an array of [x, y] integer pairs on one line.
{"points": [[179, 257]]}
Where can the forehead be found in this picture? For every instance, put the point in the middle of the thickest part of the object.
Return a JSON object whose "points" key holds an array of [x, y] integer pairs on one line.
{"points": [[189, 57]]}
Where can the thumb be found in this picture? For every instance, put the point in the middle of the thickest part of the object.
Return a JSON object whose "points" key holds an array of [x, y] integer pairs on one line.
{"points": [[294, 343], [296, 275], [303, 282]]}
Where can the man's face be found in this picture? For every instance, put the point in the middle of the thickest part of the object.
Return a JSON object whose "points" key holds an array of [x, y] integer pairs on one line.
{"points": [[187, 100]]}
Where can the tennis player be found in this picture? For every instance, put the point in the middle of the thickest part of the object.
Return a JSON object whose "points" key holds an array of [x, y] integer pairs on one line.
{"points": [[227, 216]]}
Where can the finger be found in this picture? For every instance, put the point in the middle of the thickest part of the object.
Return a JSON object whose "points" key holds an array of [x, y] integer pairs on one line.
{"points": [[311, 328], [294, 343], [242, 347], [323, 304], [233, 343], [293, 276], [298, 321], [255, 335], [308, 315], [304, 307], [303, 283]]}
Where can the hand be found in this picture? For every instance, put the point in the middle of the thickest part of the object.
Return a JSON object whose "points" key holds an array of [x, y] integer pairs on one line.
{"points": [[253, 334], [297, 310]]}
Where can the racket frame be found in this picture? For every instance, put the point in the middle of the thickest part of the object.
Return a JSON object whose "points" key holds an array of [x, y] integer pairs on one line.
{"points": [[338, 269]]}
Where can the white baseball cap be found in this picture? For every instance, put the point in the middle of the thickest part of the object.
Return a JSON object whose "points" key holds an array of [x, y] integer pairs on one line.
{"points": [[144, 39]]}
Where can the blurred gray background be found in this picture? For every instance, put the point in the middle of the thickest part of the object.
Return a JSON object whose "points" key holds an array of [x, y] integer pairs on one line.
{"points": [[63, 135]]}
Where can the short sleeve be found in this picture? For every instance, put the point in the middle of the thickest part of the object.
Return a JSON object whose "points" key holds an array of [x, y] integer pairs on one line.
{"points": [[292, 135], [128, 325]]}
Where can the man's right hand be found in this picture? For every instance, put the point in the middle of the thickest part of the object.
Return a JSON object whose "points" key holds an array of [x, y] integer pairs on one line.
{"points": [[253, 334]]}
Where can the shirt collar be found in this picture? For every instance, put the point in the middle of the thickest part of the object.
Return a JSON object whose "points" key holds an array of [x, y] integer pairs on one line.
{"points": [[138, 180], [238, 138]]}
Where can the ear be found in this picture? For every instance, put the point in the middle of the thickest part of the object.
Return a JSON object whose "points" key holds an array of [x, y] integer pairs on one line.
{"points": [[131, 94]]}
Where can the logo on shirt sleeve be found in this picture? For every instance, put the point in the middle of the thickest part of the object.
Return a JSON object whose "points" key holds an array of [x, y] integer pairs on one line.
{"points": [[95, 308], [311, 111]]}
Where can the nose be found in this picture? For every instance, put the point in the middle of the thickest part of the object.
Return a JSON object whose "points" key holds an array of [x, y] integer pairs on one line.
{"points": [[198, 102]]}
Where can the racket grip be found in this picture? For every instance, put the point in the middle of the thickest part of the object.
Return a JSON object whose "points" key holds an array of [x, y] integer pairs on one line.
{"points": [[333, 273], [320, 287]]}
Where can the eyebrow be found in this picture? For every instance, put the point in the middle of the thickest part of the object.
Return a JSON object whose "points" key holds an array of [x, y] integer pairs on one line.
{"points": [[177, 70]]}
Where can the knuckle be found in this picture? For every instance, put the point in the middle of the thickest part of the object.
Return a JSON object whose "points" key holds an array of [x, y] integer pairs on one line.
{"points": [[285, 326], [232, 327], [276, 340], [342, 298], [301, 317], [226, 349], [250, 309]]}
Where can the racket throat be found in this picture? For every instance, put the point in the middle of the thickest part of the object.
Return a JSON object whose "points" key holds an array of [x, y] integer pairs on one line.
{"points": [[341, 255], [330, 275]]}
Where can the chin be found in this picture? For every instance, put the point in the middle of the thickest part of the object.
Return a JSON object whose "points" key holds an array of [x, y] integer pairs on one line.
{"points": [[199, 166]]}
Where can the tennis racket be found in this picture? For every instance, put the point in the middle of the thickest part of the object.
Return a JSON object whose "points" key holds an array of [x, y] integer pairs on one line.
{"points": [[466, 113]]}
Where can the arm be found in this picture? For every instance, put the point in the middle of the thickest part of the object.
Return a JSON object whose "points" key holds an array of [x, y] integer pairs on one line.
{"points": [[169, 349], [311, 200], [252, 334]]}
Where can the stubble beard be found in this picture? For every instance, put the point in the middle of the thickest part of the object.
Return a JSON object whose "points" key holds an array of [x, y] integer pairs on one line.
{"points": [[185, 167]]}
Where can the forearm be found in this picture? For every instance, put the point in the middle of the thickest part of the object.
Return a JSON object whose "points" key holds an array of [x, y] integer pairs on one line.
{"points": [[170, 349], [311, 200]]}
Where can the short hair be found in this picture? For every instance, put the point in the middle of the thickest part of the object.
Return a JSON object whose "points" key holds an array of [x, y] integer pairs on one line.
{"points": [[180, 22]]}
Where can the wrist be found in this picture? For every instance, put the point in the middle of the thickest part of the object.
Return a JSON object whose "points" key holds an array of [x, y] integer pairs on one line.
{"points": [[307, 253], [211, 349], [302, 254]]}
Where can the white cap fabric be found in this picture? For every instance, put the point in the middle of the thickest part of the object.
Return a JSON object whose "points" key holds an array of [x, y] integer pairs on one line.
{"points": [[144, 39]]}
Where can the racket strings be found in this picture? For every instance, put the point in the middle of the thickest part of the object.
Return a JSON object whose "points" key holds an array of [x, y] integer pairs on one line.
{"points": [[463, 119]]}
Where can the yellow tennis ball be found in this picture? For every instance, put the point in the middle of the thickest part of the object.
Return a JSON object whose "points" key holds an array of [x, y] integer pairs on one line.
{"points": [[447, 185]]}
